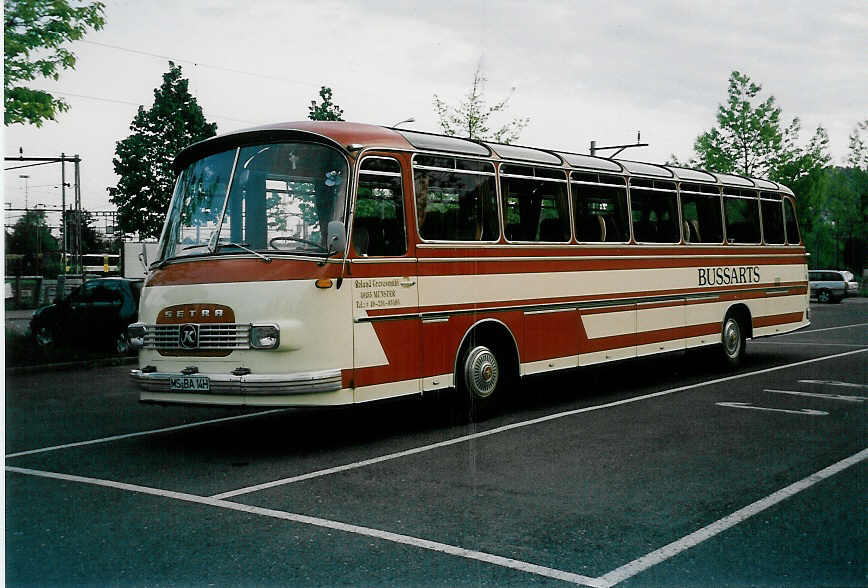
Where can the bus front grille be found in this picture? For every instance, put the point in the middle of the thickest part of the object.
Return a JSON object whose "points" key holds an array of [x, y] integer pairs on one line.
{"points": [[211, 337]]}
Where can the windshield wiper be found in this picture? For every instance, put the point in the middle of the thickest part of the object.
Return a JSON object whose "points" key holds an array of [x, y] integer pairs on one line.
{"points": [[322, 250], [264, 258]]}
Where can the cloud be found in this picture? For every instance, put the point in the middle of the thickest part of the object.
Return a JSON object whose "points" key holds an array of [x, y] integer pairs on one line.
{"points": [[582, 69]]}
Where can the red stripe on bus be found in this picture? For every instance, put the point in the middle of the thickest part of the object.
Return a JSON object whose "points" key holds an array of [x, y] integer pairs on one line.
{"points": [[570, 250], [532, 266], [215, 271], [723, 295], [777, 319], [539, 337]]}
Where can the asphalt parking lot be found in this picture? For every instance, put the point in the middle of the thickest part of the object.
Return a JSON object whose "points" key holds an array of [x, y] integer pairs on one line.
{"points": [[657, 472]]}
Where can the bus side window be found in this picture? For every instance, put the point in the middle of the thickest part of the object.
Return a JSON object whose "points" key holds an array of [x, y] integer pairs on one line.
{"points": [[378, 222], [700, 213], [742, 216], [773, 218], [457, 201], [534, 204], [600, 208], [792, 224], [655, 211]]}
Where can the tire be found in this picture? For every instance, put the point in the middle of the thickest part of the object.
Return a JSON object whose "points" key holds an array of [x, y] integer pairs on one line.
{"points": [[121, 344], [481, 380], [44, 337], [732, 340], [824, 297]]}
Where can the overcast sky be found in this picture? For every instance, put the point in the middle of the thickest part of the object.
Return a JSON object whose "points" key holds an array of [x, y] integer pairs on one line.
{"points": [[581, 70]]}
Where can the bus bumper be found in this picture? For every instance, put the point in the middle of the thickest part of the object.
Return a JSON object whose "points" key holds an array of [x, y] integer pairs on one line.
{"points": [[241, 385]]}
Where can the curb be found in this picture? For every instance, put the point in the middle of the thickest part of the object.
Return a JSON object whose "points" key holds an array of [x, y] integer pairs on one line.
{"points": [[71, 365]]}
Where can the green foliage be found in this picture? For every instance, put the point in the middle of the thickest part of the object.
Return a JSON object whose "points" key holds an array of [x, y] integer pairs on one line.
{"points": [[833, 213], [471, 117], [34, 34], [858, 156], [750, 138], [31, 246], [833, 209], [143, 160], [91, 242], [326, 110]]}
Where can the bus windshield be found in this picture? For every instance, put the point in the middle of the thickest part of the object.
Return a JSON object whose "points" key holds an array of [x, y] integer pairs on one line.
{"points": [[271, 197]]}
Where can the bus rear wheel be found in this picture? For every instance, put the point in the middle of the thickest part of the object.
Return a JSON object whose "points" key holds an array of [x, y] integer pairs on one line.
{"points": [[481, 380], [733, 340]]}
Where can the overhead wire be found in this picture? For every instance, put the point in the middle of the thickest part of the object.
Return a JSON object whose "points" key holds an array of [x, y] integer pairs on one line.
{"points": [[200, 64], [102, 99]]}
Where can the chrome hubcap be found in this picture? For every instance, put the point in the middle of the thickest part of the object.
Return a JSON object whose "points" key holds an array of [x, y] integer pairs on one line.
{"points": [[732, 338], [481, 372]]}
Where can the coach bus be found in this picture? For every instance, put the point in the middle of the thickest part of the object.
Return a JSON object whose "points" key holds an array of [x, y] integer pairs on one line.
{"points": [[331, 263]]}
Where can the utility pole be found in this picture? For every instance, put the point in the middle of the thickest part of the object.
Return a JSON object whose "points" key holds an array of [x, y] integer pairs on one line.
{"points": [[78, 213], [75, 242], [26, 179], [60, 291], [63, 210]]}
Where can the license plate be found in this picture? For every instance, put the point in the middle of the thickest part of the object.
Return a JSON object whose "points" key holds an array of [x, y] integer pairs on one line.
{"points": [[189, 384]]}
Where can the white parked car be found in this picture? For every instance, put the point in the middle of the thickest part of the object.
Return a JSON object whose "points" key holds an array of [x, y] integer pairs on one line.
{"points": [[832, 285]]}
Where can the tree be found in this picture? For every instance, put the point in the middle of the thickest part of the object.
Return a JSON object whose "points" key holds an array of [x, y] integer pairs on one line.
{"points": [[851, 201], [34, 34], [91, 242], [750, 138], [471, 117], [144, 159], [32, 240], [326, 110], [858, 156]]}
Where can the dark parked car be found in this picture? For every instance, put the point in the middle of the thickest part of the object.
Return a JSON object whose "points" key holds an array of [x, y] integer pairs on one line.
{"points": [[95, 314], [832, 285]]}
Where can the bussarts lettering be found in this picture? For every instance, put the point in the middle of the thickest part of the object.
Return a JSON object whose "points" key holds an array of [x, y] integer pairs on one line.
{"points": [[728, 275]]}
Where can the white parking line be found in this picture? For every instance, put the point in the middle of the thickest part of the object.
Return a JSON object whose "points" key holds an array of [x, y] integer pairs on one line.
{"points": [[427, 448], [804, 332], [749, 406], [143, 433], [834, 383], [465, 438], [660, 555], [327, 524], [811, 343], [818, 395], [605, 581]]}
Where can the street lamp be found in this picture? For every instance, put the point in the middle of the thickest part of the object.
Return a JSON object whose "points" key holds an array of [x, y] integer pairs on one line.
{"points": [[407, 120]]}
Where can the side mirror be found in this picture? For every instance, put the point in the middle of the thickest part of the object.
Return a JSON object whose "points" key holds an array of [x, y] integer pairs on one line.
{"points": [[337, 237]]}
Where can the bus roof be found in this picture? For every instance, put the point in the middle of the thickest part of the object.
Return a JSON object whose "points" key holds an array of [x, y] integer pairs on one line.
{"points": [[350, 136]]}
